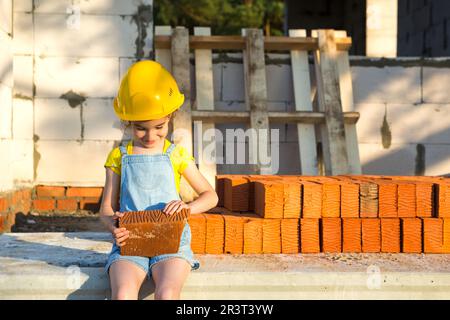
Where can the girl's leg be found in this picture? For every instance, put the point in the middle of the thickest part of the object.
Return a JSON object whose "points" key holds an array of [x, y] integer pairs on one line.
{"points": [[169, 277], [126, 279]]}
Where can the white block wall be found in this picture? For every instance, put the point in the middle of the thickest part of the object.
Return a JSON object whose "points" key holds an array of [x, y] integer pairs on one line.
{"points": [[69, 57], [6, 88]]}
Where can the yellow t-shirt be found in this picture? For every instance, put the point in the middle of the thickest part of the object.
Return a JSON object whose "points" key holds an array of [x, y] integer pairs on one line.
{"points": [[179, 157]]}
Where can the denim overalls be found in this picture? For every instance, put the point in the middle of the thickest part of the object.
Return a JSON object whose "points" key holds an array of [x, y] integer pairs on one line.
{"points": [[148, 183]]}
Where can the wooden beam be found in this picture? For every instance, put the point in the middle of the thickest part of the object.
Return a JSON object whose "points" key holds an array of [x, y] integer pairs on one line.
{"points": [[182, 122], [302, 95], [256, 96], [205, 101], [309, 117], [330, 102], [272, 43]]}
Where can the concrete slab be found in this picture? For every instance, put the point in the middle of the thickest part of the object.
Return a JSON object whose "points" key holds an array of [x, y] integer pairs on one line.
{"points": [[69, 266]]}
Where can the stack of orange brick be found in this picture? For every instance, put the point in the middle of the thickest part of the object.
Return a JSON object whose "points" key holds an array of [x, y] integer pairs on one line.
{"points": [[302, 214]]}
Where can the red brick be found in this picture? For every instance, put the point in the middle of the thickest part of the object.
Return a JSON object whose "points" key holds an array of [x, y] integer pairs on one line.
{"points": [[331, 235], [269, 197], [43, 205], [310, 235], [234, 234], [197, 222], [390, 235], [368, 196], [349, 200], [253, 235], [272, 236], [236, 193], [4, 204], [406, 200], [91, 204], [351, 235], [387, 193], [49, 191], [424, 199], [331, 200], [443, 193], [411, 235], [219, 179], [290, 235], [87, 192], [215, 233], [432, 235], [371, 234], [312, 200], [292, 206], [67, 204]]}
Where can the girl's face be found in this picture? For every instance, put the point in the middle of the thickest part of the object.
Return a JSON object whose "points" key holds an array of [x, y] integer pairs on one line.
{"points": [[150, 134]]}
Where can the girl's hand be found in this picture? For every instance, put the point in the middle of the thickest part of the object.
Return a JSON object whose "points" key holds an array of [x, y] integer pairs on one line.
{"points": [[119, 234], [174, 206]]}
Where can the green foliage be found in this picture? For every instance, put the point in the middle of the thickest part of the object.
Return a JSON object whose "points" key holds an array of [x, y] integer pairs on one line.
{"points": [[225, 17]]}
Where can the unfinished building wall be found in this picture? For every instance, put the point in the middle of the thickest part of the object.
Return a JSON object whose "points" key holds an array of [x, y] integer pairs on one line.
{"points": [[69, 57], [6, 85]]}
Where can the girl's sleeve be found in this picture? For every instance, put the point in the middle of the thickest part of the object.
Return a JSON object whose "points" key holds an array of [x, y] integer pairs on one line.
{"points": [[114, 161], [184, 158]]}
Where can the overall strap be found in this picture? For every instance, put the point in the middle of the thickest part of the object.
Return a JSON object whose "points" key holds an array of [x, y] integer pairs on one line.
{"points": [[170, 149], [123, 150]]}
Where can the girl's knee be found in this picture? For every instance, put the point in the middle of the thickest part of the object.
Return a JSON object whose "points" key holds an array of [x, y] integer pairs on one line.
{"points": [[125, 293], [167, 293]]}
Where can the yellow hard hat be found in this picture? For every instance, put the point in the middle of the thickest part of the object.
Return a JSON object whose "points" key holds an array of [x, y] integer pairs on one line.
{"points": [[147, 92]]}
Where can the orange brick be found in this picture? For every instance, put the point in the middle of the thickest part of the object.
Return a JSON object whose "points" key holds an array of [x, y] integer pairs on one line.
{"points": [[87, 192], [411, 235], [368, 196], [349, 200], [269, 199], [253, 236], [446, 235], [215, 233], [331, 235], [406, 200], [290, 235], [371, 235], [219, 179], [292, 200], [312, 200], [91, 204], [4, 204], [331, 200], [432, 235], [351, 235], [67, 204], [309, 235], [424, 199], [443, 193], [197, 222], [387, 193], [43, 205], [272, 236], [234, 234], [236, 193], [390, 235], [49, 191]]}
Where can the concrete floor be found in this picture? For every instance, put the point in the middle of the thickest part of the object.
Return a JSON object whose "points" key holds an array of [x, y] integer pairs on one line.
{"points": [[70, 266]]}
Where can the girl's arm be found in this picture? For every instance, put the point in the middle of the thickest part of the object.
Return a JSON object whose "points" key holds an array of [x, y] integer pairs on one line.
{"points": [[110, 199], [207, 196]]}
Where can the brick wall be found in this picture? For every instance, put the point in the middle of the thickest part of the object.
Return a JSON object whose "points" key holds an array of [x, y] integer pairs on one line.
{"points": [[292, 214]]}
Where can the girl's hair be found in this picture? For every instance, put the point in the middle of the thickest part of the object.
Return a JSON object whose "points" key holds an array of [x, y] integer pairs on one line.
{"points": [[127, 124]]}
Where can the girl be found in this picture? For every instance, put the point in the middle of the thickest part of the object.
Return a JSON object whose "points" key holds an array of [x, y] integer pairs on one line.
{"points": [[145, 174]]}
